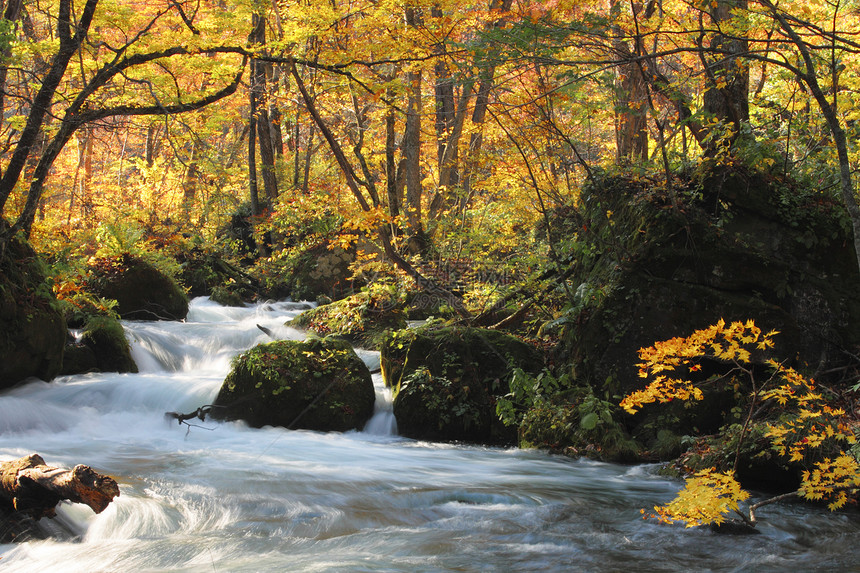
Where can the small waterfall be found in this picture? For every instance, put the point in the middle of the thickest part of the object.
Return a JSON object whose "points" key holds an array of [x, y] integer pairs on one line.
{"points": [[382, 423], [212, 496]]}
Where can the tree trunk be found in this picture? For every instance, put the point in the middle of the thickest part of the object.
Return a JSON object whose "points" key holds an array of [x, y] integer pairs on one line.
{"points": [[264, 129], [412, 145], [727, 95], [11, 13], [30, 488], [189, 182], [253, 191], [391, 164]]}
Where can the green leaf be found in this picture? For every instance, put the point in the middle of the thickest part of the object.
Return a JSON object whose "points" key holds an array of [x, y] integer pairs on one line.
{"points": [[589, 421]]}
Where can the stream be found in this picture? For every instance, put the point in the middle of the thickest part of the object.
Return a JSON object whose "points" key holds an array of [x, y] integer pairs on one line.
{"points": [[226, 497]]}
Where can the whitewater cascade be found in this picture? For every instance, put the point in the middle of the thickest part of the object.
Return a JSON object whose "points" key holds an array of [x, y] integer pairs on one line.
{"points": [[224, 497]]}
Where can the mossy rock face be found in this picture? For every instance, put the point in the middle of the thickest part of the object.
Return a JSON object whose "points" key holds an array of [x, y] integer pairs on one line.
{"points": [[142, 292], [727, 246], [226, 297], [78, 358], [205, 273], [102, 347], [317, 384], [320, 270], [32, 330], [656, 263], [447, 378], [361, 317]]}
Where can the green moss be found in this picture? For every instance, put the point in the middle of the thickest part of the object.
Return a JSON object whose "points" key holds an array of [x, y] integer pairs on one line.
{"points": [[226, 297], [142, 292], [480, 354], [106, 337], [577, 423], [435, 408], [447, 380], [32, 330], [361, 317], [317, 384]]}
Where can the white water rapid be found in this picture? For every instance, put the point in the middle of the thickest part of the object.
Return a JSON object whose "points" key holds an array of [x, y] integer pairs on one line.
{"points": [[221, 497]]}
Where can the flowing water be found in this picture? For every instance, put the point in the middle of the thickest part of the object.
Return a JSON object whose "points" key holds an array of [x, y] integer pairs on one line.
{"points": [[225, 497]]}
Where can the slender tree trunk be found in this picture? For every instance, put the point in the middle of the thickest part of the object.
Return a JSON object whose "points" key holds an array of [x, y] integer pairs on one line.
{"points": [[412, 147], [253, 191], [153, 143], [726, 97], [69, 44], [390, 163], [264, 133], [309, 154], [87, 206], [189, 182], [10, 14], [275, 116]]}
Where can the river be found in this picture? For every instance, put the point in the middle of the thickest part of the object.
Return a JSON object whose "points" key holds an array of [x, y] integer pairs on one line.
{"points": [[225, 497]]}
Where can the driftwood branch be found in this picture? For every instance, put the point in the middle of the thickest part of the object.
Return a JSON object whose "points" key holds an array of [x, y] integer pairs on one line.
{"points": [[30, 487], [200, 413]]}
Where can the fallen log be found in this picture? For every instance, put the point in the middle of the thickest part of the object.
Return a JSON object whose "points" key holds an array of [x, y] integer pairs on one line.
{"points": [[31, 488]]}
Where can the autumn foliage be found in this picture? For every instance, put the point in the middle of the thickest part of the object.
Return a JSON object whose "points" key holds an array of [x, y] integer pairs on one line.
{"points": [[803, 428]]}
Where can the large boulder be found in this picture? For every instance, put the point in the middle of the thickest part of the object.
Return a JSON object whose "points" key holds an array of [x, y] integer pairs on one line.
{"points": [[447, 379], [655, 263], [32, 330], [321, 269], [316, 384], [362, 317], [102, 347], [142, 291], [207, 273]]}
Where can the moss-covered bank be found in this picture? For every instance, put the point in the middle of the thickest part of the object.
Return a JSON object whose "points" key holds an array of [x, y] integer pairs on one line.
{"points": [[32, 330]]}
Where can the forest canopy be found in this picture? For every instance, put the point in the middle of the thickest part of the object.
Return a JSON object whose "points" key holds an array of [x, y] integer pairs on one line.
{"points": [[456, 124]]}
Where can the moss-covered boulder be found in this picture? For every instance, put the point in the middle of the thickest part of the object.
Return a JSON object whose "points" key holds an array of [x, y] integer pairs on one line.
{"points": [[32, 330], [102, 346], [361, 317], [320, 270], [447, 379], [316, 384], [142, 291], [725, 247], [206, 273], [226, 296], [655, 262]]}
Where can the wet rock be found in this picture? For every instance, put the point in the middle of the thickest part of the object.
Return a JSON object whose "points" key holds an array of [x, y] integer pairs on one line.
{"points": [[142, 292], [446, 380], [734, 245], [321, 270], [103, 347], [316, 384], [32, 329]]}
